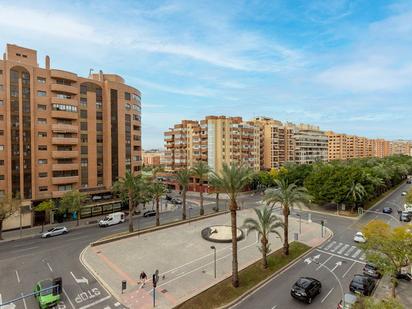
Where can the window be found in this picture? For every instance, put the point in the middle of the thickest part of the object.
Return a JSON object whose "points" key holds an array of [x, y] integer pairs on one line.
{"points": [[1, 147], [127, 106], [41, 80], [99, 116], [83, 138], [1, 162], [99, 126], [1, 117], [99, 105], [135, 97], [63, 96], [136, 117], [41, 121], [41, 107], [127, 96], [65, 107], [83, 150], [1, 72], [1, 132], [42, 134], [83, 126], [43, 175], [65, 187], [42, 161], [99, 138], [1, 177], [41, 93], [83, 113], [83, 89], [42, 147], [83, 101], [43, 188], [83, 162], [1, 103]]}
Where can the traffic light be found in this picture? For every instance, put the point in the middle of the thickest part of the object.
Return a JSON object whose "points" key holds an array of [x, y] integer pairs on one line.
{"points": [[57, 286]]}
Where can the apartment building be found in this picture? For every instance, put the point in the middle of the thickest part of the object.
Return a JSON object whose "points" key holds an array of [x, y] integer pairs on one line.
{"points": [[153, 157], [311, 144], [60, 131], [401, 147], [214, 140]]}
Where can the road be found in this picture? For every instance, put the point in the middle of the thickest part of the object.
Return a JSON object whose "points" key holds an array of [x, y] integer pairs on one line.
{"points": [[25, 261], [339, 255]]}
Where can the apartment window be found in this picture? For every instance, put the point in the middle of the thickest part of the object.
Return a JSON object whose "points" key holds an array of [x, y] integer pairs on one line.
{"points": [[83, 101], [99, 126], [1, 177], [41, 107], [83, 89], [65, 187], [1, 103], [43, 188], [127, 106], [1, 117], [63, 96], [135, 96], [2, 193], [43, 175], [1, 72], [84, 163], [42, 147], [136, 117], [64, 107], [1, 147], [99, 116], [127, 96], [83, 113], [41, 121], [83, 150], [1, 162], [99, 138], [83, 126], [99, 105], [1, 87], [41, 80], [83, 138], [42, 134], [41, 93], [42, 161]]}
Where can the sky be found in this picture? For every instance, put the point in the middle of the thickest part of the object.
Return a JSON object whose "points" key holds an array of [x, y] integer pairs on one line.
{"points": [[343, 65]]}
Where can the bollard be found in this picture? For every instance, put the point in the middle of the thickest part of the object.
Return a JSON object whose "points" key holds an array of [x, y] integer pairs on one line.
{"points": [[124, 285], [309, 218]]}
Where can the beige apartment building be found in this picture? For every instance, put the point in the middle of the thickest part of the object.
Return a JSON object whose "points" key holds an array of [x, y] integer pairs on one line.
{"points": [[60, 131], [214, 140], [401, 147], [153, 158]]}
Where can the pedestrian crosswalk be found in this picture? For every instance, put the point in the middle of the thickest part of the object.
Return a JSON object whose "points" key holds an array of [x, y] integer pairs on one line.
{"points": [[344, 250]]}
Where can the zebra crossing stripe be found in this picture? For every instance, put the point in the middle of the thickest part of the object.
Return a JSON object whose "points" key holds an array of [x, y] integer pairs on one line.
{"points": [[343, 249], [350, 250], [357, 253], [337, 247], [330, 245], [363, 257]]}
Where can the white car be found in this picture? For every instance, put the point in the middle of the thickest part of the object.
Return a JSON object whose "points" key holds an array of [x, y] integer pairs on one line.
{"points": [[404, 193], [359, 237], [58, 230]]}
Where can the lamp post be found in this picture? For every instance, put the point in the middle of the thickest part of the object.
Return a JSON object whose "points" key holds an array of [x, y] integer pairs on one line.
{"points": [[300, 223], [214, 255]]}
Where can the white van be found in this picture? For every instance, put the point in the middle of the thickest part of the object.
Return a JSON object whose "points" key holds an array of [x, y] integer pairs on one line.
{"points": [[112, 219], [408, 207]]}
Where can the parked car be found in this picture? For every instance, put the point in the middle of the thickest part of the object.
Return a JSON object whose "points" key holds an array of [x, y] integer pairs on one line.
{"points": [[112, 219], [403, 193], [372, 271], [96, 198], [305, 289], [168, 197], [46, 298], [404, 276], [387, 210], [362, 284], [58, 230], [350, 301], [107, 196], [177, 201], [359, 238], [409, 181], [149, 213], [405, 216]]}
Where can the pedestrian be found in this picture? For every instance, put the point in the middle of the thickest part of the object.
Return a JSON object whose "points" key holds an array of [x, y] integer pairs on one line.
{"points": [[143, 277]]}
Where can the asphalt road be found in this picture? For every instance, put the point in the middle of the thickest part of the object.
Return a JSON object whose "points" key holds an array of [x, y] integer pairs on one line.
{"points": [[26, 261], [339, 255]]}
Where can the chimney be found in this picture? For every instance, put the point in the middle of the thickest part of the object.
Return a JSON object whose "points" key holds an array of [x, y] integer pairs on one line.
{"points": [[47, 62], [100, 75]]}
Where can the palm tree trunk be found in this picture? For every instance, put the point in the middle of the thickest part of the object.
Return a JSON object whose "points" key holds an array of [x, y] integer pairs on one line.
{"points": [[1, 229], [217, 201], [157, 212], [184, 205], [286, 231], [393, 288], [202, 211], [264, 242], [130, 213], [235, 275]]}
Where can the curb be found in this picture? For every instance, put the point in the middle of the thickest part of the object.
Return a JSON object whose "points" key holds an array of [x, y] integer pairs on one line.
{"points": [[331, 214]]}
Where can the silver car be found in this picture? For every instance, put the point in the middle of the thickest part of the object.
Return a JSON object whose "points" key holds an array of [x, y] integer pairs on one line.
{"points": [[58, 230]]}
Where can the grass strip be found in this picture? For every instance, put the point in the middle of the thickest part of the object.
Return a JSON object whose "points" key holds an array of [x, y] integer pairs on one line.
{"points": [[223, 292]]}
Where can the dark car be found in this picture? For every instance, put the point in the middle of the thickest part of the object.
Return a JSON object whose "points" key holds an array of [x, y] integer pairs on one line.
{"points": [[404, 276], [409, 181], [405, 216], [149, 213], [387, 210], [176, 201], [168, 197], [362, 284], [372, 271], [107, 196], [305, 289]]}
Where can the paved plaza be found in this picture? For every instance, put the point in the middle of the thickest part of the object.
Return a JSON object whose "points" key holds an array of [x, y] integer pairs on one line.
{"points": [[184, 259]]}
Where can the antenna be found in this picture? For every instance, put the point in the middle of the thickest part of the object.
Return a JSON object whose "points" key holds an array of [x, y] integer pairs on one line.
{"points": [[90, 71]]}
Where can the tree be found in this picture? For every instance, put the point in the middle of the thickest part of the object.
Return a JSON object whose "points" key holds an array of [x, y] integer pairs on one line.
{"points": [[408, 197], [388, 248], [287, 195], [356, 193], [8, 206], [372, 303], [157, 191], [267, 222], [183, 179], [129, 188], [232, 180], [72, 201], [47, 207], [200, 170]]}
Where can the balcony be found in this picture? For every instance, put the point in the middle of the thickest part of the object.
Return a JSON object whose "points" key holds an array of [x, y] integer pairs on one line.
{"points": [[65, 167], [64, 115], [64, 88], [58, 154], [56, 194], [64, 128], [56, 100], [65, 140], [65, 180], [63, 75]]}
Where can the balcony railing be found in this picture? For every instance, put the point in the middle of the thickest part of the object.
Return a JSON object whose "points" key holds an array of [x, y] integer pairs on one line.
{"points": [[65, 167], [64, 128], [64, 154], [65, 180], [63, 75], [64, 141], [64, 88], [64, 114]]}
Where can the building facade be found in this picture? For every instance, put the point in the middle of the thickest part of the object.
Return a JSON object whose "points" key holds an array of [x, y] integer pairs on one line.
{"points": [[60, 131], [401, 147], [214, 140], [153, 158]]}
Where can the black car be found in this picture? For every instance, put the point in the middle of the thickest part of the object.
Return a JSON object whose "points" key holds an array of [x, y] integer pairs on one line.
{"points": [[404, 276], [409, 181], [305, 289], [168, 197], [149, 213], [362, 284], [371, 271], [387, 210]]}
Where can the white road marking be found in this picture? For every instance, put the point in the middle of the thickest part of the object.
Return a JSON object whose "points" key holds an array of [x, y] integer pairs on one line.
{"points": [[48, 265], [323, 299], [96, 302], [17, 275], [363, 257], [330, 245], [346, 272], [68, 298], [324, 262], [24, 302], [343, 249], [342, 257], [275, 306], [26, 249], [350, 250], [337, 247], [80, 280], [357, 253]]}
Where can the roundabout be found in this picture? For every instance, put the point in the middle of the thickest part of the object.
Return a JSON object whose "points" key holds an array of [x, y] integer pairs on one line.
{"points": [[221, 234]]}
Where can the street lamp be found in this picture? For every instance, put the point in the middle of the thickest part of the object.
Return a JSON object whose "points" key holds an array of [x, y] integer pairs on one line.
{"points": [[300, 223], [214, 254]]}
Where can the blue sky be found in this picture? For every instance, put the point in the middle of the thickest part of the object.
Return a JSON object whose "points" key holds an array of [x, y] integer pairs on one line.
{"points": [[343, 65]]}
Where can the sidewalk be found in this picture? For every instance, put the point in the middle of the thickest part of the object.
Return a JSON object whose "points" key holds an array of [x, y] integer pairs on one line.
{"points": [[184, 260], [403, 291]]}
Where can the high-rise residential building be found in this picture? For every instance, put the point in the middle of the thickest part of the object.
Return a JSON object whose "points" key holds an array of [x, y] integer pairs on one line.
{"points": [[311, 144], [60, 131], [214, 140], [401, 147]]}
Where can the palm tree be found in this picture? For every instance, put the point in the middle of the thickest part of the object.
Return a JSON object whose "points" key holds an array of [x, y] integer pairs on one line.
{"points": [[157, 191], [287, 195], [356, 193], [267, 222], [201, 170], [232, 180], [183, 179], [72, 201]]}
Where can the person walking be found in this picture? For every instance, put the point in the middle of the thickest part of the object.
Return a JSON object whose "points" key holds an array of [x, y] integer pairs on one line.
{"points": [[143, 278]]}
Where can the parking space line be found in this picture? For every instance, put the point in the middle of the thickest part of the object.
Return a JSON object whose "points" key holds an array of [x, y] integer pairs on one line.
{"points": [[339, 256], [350, 250], [324, 262], [96, 302], [68, 298], [323, 299], [24, 302], [346, 272], [357, 253], [17, 275], [48, 265], [337, 247]]}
